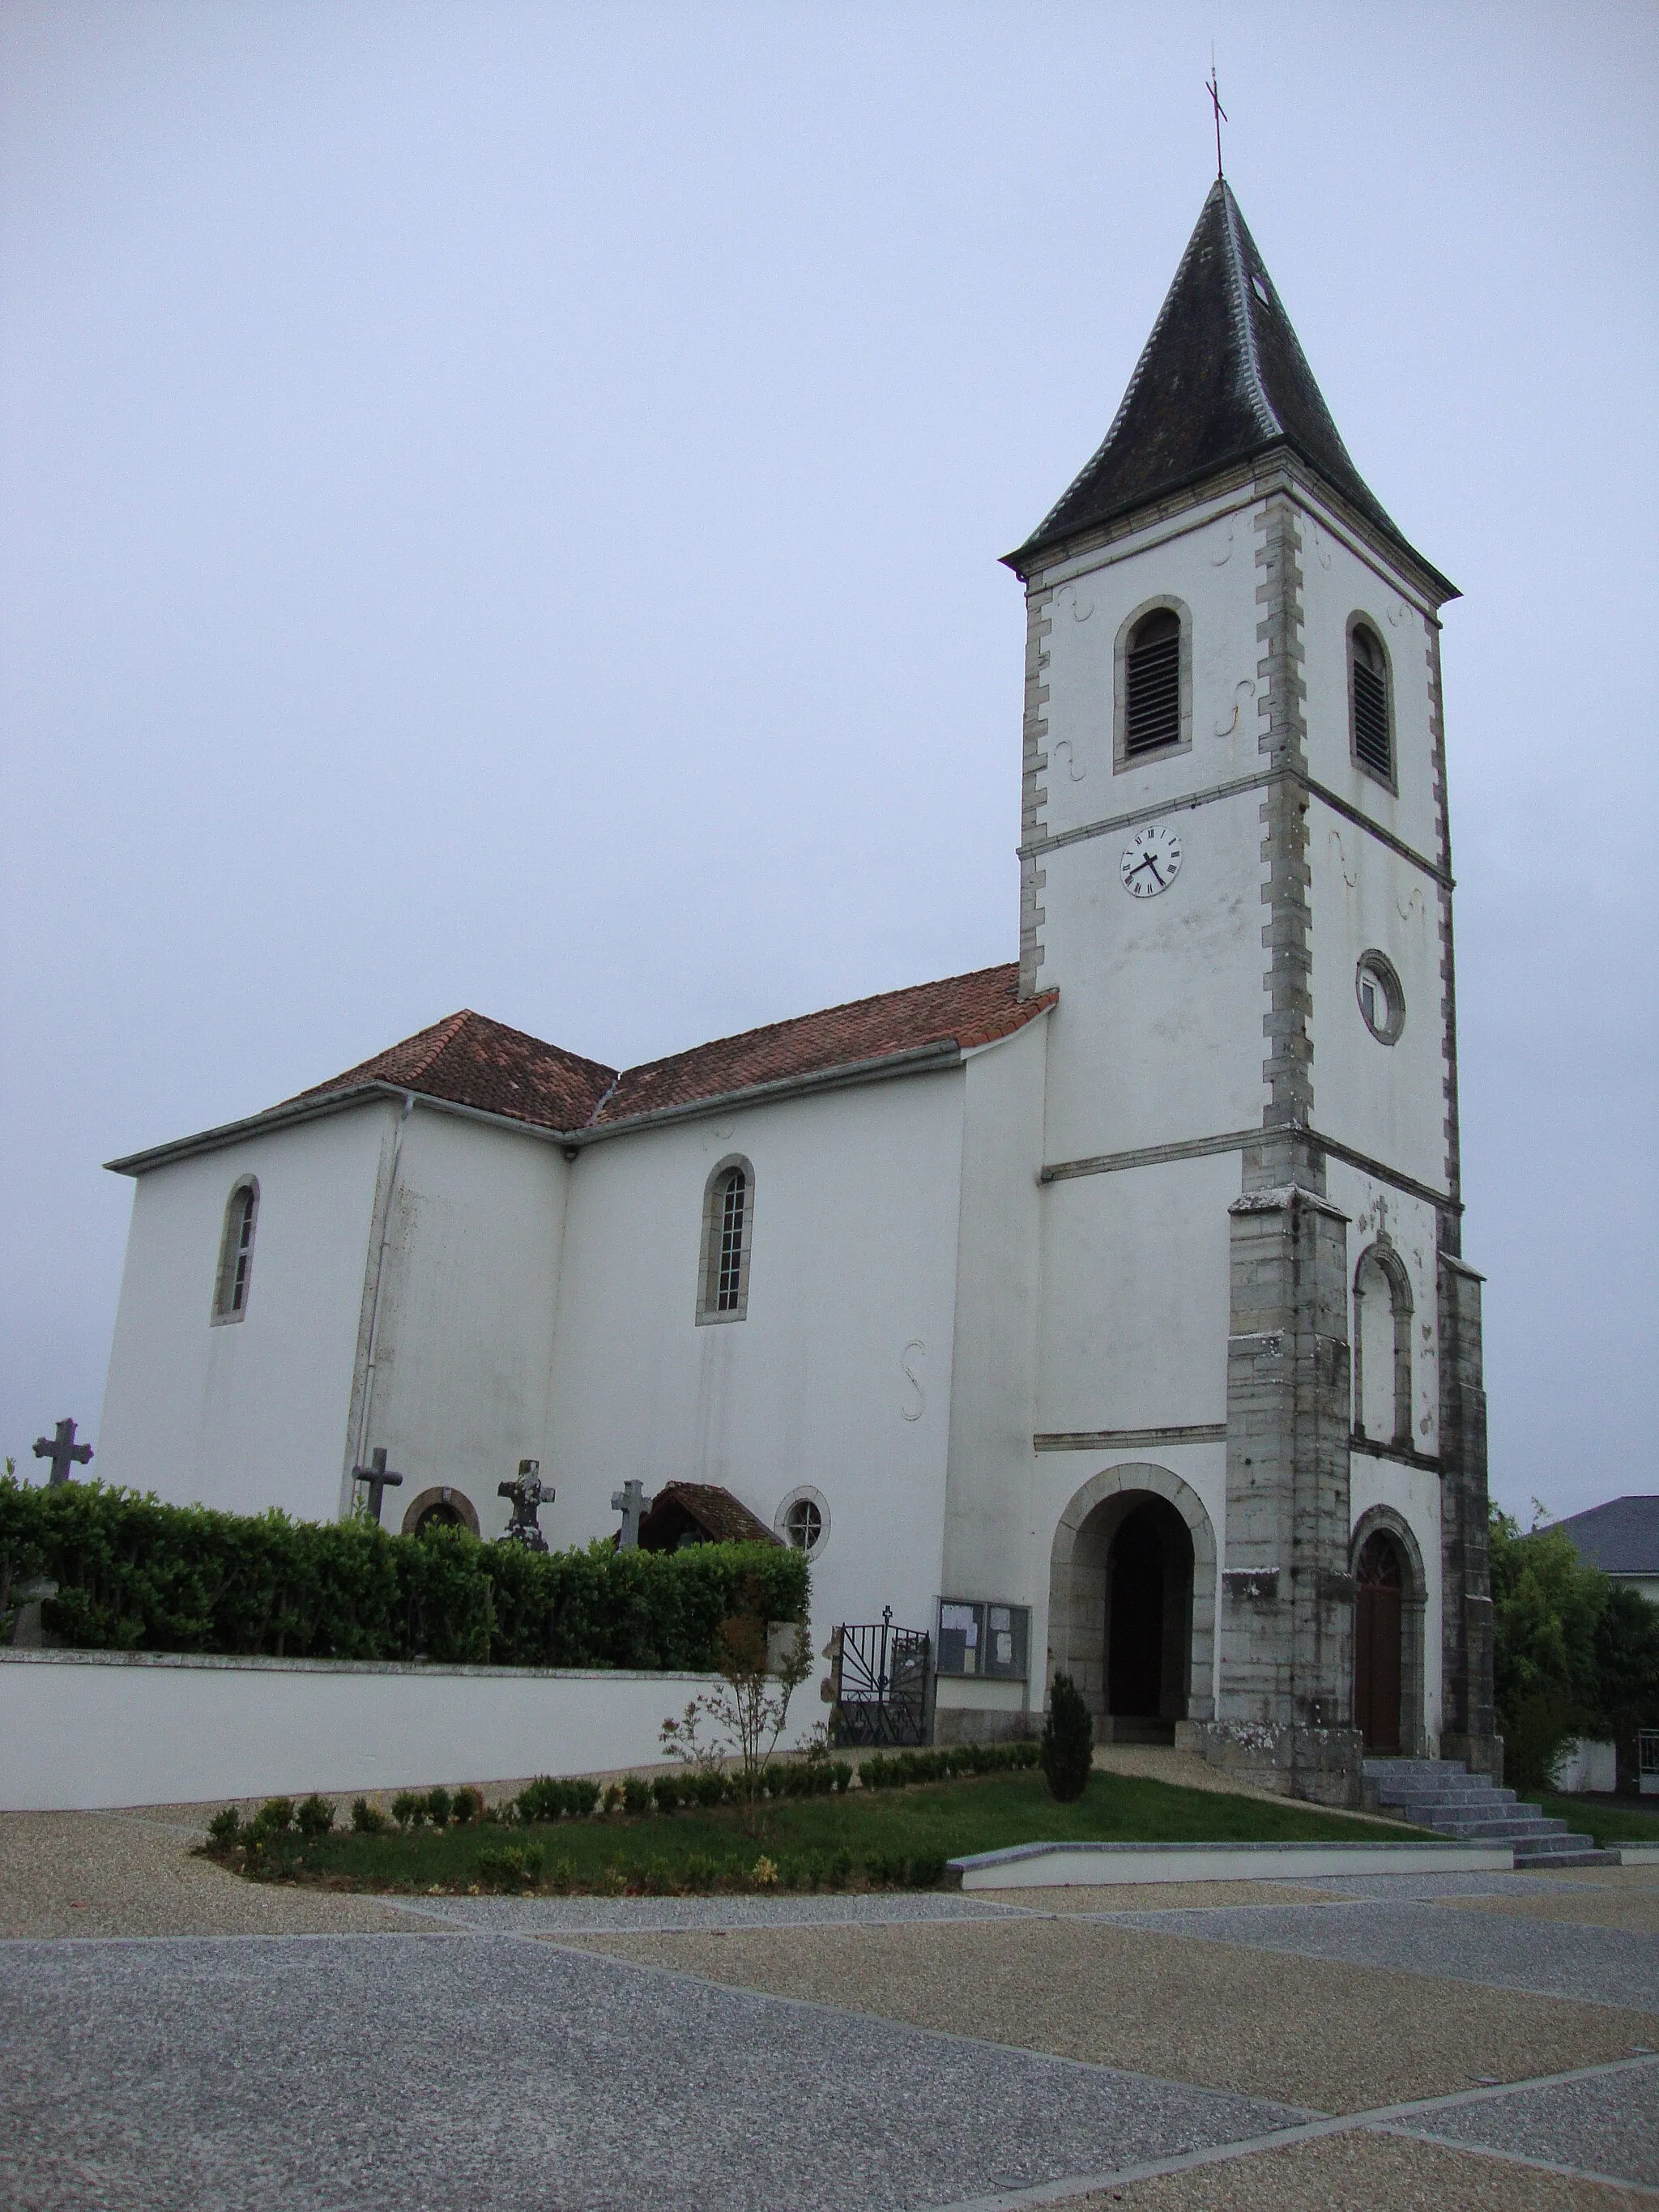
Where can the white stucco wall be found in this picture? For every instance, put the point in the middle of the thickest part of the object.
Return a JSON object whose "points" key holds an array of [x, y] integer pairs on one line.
{"points": [[993, 1413], [250, 1413], [465, 1335], [840, 1374]]}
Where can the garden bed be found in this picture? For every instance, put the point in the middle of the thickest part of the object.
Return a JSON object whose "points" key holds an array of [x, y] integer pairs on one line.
{"points": [[857, 1838]]}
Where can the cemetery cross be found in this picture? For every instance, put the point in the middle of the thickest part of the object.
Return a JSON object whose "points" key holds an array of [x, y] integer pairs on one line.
{"points": [[379, 1482], [61, 1450], [631, 1501]]}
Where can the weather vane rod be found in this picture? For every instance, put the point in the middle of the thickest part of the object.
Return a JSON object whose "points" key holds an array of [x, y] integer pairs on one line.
{"points": [[1213, 89]]}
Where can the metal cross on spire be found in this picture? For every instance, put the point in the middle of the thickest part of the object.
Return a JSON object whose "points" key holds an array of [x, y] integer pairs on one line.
{"points": [[1214, 90], [62, 1450]]}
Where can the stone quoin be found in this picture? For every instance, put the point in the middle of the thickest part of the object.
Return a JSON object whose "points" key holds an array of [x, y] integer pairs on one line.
{"points": [[1100, 1308]]}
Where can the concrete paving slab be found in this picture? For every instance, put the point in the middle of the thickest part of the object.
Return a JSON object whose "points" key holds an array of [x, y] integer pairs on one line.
{"points": [[1333, 2036], [503, 2074], [1361, 2173], [1608, 2125], [1636, 1910], [1155, 1896], [1597, 1966], [588, 1916]]}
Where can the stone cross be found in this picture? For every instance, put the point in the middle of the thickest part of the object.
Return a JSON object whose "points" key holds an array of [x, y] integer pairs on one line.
{"points": [[61, 1450], [631, 1501], [378, 1481], [528, 1495]]}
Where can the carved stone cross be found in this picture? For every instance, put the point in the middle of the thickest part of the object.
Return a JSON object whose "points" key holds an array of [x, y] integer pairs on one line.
{"points": [[61, 1452], [378, 1481], [527, 1495], [631, 1501]]}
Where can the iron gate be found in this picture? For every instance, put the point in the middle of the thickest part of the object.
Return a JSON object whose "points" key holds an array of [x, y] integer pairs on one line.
{"points": [[882, 1676]]}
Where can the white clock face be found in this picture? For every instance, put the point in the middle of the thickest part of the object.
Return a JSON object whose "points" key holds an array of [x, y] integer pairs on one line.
{"points": [[1152, 860]]}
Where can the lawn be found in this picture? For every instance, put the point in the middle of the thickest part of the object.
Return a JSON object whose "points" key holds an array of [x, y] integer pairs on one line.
{"points": [[1611, 1821], [868, 1837]]}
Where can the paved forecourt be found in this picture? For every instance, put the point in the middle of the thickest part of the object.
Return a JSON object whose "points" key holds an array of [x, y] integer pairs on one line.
{"points": [[1169, 2044]]}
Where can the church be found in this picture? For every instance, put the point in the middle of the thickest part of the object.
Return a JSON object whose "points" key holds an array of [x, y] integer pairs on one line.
{"points": [[1102, 1312]]}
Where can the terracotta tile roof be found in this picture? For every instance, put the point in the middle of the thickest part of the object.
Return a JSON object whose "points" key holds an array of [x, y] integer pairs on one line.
{"points": [[963, 1009], [726, 1519], [472, 1062]]}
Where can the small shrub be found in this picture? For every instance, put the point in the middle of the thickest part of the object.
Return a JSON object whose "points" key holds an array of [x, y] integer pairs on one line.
{"points": [[928, 1870], [582, 1798], [515, 1867], [275, 1817], [764, 1873], [467, 1805], [885, 1869], [712, 1789], [544, 1799], [438, 1806], [655, 1877], [700, 1871], [408, 1810], [366, 1820], [224, 1828], [669, 1792], [562, 1874], [839, 1872], [1068, 1737], [841, 1775], [612, 1800], [315, 1817], [610, 1880], [878, 1772], [636, 1794]]}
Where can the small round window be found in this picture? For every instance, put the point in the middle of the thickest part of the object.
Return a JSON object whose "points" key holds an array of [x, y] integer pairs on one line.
{"points": [[803, 1519], [1381, 1001]]}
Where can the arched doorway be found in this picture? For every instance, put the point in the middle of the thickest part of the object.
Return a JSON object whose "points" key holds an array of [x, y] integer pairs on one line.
{"points": [[1132, 1602], [1149, 1602], [1378, 1642]]}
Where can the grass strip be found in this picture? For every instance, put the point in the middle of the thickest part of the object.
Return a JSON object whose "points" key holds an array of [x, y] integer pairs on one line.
{"points": [[869, 1839], [1611, 1821]]}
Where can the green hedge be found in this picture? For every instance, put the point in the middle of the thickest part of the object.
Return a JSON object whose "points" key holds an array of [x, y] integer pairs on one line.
{"points": [[134, 1575]]}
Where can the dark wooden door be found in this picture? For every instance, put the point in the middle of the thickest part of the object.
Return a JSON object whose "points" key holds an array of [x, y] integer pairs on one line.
{"points": [[1376, 1645], [1134, 1657]]}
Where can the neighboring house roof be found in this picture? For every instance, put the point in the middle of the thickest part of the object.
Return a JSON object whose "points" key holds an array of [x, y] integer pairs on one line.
{"points": [[1221, 379], [469, 1061], [703, 1510], [1621, 1537]]}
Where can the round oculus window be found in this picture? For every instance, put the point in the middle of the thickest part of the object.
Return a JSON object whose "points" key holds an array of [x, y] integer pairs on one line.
{"points": [[803, 1519], [1381, 1001]]}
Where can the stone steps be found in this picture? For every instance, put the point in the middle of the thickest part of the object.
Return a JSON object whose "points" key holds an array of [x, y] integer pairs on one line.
{"points": [[1443, 1794]]}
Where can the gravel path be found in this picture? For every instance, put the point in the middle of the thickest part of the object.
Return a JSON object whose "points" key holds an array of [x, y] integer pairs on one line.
{"points": [[485, 2072]]}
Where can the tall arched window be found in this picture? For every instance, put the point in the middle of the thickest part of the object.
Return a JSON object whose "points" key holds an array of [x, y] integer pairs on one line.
{"points": [[728, 1214], [1370, 704], [1151, 683], [1382, 1347], [230, 1287]]}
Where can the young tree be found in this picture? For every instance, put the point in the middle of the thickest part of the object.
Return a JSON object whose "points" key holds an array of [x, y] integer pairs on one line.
{"points": [[1068, 1740], [749, 1713]]}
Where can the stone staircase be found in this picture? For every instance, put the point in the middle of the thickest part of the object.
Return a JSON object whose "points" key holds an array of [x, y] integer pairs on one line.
{"points": [[1443, 1794]]}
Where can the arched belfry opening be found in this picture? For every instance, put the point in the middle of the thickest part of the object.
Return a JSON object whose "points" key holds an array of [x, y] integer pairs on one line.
{"points": [[1131, 1603]]}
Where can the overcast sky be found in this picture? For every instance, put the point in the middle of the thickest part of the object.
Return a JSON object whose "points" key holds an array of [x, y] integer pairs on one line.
{"points": [[500, 506]]}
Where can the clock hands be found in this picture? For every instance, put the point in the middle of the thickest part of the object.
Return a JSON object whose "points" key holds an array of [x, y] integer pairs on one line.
{"points": [[1149, 862]]}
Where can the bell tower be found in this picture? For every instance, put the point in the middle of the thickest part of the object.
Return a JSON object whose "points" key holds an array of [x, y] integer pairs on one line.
{"points": [[1235, 868]]}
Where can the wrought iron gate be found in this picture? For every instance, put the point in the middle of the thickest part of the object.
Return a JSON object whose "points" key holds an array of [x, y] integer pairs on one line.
{"points": [[882, 1676]]}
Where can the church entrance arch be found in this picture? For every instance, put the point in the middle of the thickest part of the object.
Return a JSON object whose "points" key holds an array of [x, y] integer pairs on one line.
{"points": [[1388, 1635], [1132, 1602]]}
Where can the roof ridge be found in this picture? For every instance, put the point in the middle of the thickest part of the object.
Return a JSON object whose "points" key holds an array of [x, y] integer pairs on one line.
{"points": [[509, 1029], [444, 1033], [818, 1013], [1244, 318]]}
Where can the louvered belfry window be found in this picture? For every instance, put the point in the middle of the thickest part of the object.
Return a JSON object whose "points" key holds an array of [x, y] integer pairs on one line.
{"points": [[1152, 707], [1372, 744]]}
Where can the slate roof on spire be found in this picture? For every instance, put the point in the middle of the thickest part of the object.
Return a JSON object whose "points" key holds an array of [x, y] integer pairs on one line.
{"points": [[1222, 379]]}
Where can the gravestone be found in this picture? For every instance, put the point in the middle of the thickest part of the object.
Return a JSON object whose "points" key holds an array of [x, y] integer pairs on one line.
{"points": [[63, 1452], [631, 1501], [528, 1494], [377, 1482]]}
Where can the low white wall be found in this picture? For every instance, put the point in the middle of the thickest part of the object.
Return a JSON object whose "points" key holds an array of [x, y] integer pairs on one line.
{"points": [[1586, 1764], [1058, 1866], [81, 1729]]}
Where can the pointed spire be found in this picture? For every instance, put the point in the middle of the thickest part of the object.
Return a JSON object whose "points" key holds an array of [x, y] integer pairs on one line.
{"points": [[1222, 379]]}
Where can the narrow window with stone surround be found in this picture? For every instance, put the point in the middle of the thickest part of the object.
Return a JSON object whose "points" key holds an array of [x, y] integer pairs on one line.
{"points": [[231, 1284], [1371, 706], [728, 1224]]}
